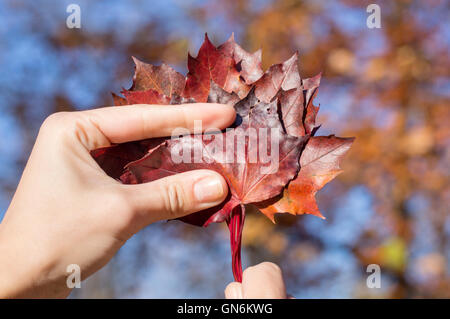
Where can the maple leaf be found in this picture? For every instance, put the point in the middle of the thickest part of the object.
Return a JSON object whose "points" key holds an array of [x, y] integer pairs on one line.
{"points": [[311, 87], [162, 79], [250, 63], [250, 181], [212, 65], [319, 164], [279, 76], [151, 85], [292, 110], [278, 102], [118, 100], [149, 96], [113, 159]]}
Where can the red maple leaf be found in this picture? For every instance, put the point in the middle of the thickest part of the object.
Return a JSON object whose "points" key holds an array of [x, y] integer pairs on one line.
{"points": [[212, 64], [275, 116], [319, 164]]}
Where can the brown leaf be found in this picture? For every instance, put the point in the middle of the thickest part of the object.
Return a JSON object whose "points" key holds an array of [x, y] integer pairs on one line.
{"points": [[145, 97], [163, 79], [275, 115], [310, 116], [250, 180], [118, 100], [319, 164], [279, 76], [292, 110], [212, 65], [250, 63]]}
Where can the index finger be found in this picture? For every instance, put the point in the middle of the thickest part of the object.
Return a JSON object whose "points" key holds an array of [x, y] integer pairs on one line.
{"points": [[128, 123]]}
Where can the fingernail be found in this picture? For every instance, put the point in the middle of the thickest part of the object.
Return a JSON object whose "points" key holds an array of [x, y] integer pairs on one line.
{"points": [[208, 189], [235, 293], [239, 293]]}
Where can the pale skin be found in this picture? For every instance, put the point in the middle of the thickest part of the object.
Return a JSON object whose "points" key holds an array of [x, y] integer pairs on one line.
{"points": [[66, 210]]}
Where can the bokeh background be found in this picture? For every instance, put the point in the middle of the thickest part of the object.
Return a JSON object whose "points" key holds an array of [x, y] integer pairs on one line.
{"points": [[389, 87]]}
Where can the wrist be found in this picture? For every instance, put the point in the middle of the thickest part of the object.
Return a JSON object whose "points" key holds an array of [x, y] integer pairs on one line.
{"points": [[11, 283], [25, 270]]}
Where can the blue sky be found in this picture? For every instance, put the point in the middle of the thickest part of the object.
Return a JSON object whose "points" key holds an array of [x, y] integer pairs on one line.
{"points": [[32, 72]]}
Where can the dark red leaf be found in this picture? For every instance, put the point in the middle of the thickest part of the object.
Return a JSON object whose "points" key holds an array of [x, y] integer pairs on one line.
{"points": [[212, 65], [279, 76], [145, 97], [250, 63], [118, 100], [320, 163], [162, 79], [278, 103], [292, 110], [311, 114], [113, 159]]}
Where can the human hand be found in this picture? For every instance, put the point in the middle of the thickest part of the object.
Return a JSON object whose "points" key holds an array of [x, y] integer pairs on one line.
{"points": [[66, 210], [263, 281]]}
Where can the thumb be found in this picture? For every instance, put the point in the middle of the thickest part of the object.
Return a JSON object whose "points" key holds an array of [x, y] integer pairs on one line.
{"points": [[177, 195], [263, 281]]}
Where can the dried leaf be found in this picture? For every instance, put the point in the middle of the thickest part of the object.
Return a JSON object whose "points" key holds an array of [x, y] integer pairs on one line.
{"points": [[250, 63], [275, 115], [319, 164], [279, 76], [149, 96], [162, 79], [212, 65]]}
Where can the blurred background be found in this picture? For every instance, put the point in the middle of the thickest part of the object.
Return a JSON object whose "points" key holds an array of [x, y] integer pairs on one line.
{"points": [[389, 87]]}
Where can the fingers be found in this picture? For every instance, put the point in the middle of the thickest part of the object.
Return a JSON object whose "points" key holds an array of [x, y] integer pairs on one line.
{"points": [[263, 281], [176, 196], [100, 127], [234, 291], [122, 124]]}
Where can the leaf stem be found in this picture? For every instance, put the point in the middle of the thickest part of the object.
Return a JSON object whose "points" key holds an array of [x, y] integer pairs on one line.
{"points": [[235, 225]]}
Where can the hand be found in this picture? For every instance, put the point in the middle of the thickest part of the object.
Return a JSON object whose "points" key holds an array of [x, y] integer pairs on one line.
{"points": [[66, 210], [263, 281]]}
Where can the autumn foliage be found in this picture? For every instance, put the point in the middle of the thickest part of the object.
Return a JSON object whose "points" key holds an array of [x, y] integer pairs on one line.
{"points": [[278, 99]]}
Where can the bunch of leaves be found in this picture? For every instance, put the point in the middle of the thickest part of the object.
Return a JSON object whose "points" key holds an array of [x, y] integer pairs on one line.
{"points": [[278, 99]]}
